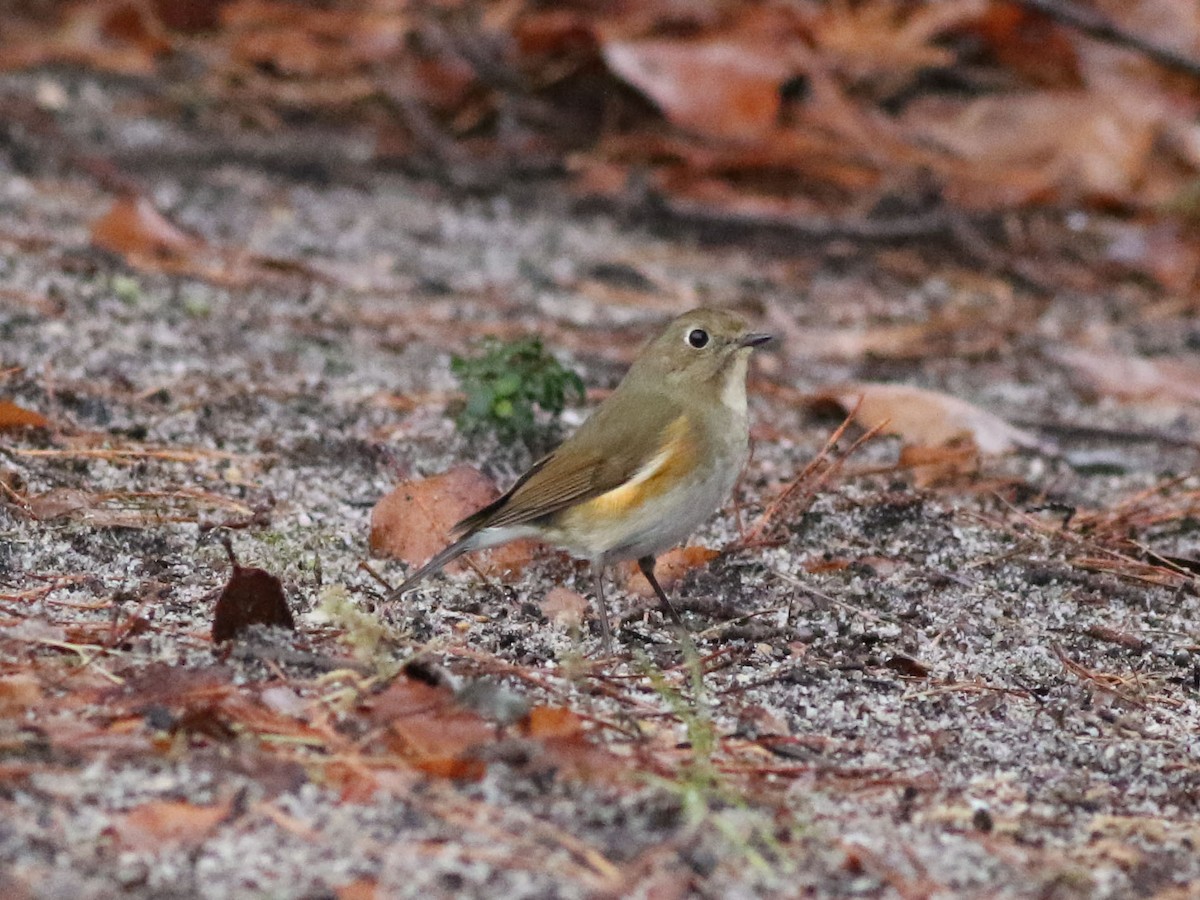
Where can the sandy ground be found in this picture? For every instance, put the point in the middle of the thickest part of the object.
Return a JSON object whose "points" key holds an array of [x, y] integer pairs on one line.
{"points": [[931, 690]]}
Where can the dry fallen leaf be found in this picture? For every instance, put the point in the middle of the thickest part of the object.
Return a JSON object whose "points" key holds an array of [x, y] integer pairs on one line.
{"points": [[414, 522], [166, 823], [251, 597], [429, 728], [889, 40], [553, 722], [669, 569], [925, 418], [943, 464], [1026, 146], [1031, 44], [13, 416], [18, 692], [136, 231], [718, 87], [565, 745], [1161, 379], [564, 606]]}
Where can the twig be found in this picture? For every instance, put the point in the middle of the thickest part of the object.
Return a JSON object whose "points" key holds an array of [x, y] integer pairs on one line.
{"points": [[1095, 25], [379, 579], [114, 455], [766, 519], [1103, 682]]}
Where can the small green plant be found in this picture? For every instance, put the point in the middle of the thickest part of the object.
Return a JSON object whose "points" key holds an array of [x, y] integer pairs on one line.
{"points": [[504, 384]]}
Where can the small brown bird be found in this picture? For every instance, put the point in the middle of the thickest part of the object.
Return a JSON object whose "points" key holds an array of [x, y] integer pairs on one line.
{"points": [[652, 463]]}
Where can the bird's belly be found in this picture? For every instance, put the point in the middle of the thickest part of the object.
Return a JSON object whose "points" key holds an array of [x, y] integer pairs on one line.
{"points": [[642, 524]]}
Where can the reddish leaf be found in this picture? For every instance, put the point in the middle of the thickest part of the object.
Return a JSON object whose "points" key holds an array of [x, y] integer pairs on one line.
{"points": [[669, 569], [907, 665], [888, 40], [135, 230], [945, 463], [414, 521], [431, 729], [251, 597], [564, 606], [1133, 378], [165, 823], [565, 746], [1031, 44], [359, 889], [18, 692], [1040, 144], [553, 722], [13, 417], [925, 418], [716, 87]]}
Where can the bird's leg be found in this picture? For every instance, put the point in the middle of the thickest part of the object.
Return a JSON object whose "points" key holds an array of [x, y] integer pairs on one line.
{"points": [[605, 634], [646, 564]]}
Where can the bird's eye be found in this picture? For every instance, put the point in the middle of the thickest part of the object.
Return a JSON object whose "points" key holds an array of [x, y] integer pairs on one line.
{"points": [[697, 337]]}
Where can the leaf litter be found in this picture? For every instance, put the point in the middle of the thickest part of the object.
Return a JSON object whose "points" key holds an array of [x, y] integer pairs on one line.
{"points": [[999, 662]]}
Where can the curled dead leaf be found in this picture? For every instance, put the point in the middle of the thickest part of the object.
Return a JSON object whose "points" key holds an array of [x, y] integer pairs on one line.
{"points": [[944, 463], [718, 87], [1162, 379], [18, 692], [139, 233], [167, 823], [251, 597], [427, 726], [924, 418], [13, 416], [553, 722], [907, 665], [564, 606], [416, 519]]}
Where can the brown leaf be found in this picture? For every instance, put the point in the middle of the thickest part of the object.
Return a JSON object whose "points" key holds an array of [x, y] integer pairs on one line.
{"points": [[719, 87], [18, 692], [359, 889], [565, 745], [136, 231], [117, 36], [58, 503], [907, 665], [1039, 144], [1132, 378], [925, 418], [945, 463], [167, 824], [414, 522], [430, 728], [251, 597], [13, 417], [1030, 44], [888, 40], [553, 721], [564, 606], [668, 570]]}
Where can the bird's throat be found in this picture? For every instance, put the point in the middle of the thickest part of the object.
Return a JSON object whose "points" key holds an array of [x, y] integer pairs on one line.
{"points": [[733, 391]]}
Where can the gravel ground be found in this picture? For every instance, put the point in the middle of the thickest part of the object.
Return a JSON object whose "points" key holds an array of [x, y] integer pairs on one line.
{"points": [[954, 690]]}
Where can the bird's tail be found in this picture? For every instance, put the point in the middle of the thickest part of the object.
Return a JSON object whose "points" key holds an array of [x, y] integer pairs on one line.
{"points": [[439, 562]]}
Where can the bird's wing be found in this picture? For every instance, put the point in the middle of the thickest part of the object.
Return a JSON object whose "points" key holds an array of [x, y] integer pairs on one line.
{"points": [[620, 441]]}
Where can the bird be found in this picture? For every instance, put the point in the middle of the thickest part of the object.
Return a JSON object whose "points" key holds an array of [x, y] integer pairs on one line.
{"points": [[654, 461]]}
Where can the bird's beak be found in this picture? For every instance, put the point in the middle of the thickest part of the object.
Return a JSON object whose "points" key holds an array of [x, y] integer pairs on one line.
{"points": [[755, 339]]}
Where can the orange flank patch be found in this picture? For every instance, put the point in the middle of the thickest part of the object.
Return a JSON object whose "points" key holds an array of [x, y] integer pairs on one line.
{"points": [[669, 467]]}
